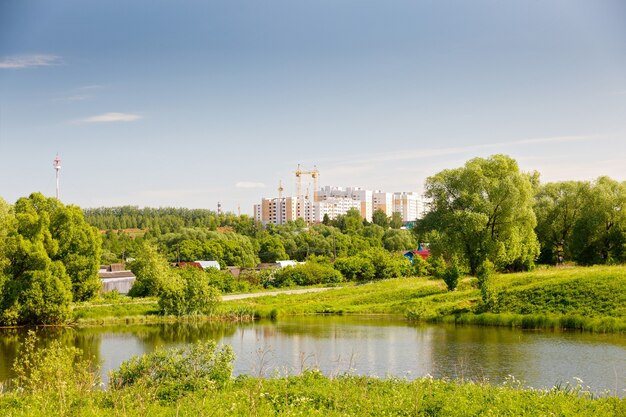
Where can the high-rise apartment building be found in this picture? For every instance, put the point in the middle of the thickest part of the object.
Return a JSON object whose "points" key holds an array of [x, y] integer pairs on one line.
{"points": [[407, 204]]}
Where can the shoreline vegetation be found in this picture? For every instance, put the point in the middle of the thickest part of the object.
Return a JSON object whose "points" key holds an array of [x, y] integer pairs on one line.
{"points": [[579, 298], [196, 380]]}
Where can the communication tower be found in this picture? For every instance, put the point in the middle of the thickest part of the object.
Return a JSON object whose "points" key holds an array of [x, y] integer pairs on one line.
{"points": [[57, 167]]}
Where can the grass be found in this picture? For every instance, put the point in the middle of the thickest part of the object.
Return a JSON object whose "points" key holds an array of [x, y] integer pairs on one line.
{"points": [[313, 394], [592, 299]]}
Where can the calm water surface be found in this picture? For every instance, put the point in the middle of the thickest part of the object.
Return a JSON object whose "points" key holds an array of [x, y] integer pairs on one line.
{"points": [[367, 346]]}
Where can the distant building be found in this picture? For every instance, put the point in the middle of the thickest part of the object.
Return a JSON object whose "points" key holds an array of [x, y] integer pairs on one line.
{"points": [[337, 201], [382, 200], [407, 204], [116, 277]]}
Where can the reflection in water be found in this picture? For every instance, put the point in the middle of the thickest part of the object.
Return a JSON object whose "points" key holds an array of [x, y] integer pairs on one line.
{"points": [[366, 346]]}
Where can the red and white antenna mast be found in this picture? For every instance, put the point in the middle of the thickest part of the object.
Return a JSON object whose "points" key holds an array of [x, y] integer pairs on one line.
{"points": [[57, 167]]}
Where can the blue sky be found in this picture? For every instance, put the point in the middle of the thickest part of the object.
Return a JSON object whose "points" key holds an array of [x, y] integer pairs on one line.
{"points": [[190, 103]]}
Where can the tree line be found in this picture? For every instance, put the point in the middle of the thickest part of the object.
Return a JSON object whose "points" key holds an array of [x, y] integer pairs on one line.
{"points": [[484, 216]]}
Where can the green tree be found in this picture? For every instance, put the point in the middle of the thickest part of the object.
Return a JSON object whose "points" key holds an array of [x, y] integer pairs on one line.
{"points": [[397, 240], [558, 207], [79, 248], [188, 293], [271, 249], [380, 218], [396, 220], [599, 235], [36, 289], [152, 272], [483, 210]]}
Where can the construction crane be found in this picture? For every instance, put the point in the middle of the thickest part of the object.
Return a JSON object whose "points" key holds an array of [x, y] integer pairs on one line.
{"points": [[314, 173], [280, 189]]}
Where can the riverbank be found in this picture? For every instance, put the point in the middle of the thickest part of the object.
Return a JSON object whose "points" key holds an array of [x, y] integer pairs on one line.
{"points": [[313, 394], [589, 299]]}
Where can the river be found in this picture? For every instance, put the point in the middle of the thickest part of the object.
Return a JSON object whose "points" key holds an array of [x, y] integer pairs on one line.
{"points": [[367, 346]]}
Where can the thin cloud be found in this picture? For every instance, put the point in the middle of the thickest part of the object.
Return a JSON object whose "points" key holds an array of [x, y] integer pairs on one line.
{"points": [[29, 61], [110, 118], [249, 184], [76, 97]]}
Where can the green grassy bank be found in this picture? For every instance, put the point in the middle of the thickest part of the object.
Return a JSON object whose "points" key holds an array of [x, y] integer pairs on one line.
{"points": [[312, 394], [592, 299]]}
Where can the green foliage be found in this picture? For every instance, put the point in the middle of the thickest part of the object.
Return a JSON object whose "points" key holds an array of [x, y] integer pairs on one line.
{"points": [[379, 217], [57, 373], [421, 267], [36, 289], [310, 273], [175, 372], [188, 293], [271, 249], [482, 210], [558, 207], [355, 268], [387, 265], [485, 284], [452, 274], [396, 220], [48, 255], [398, 240], [599, 235], [152, 272]]}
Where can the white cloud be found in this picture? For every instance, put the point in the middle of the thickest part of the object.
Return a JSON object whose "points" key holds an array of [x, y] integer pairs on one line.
{"points": [[110, 117], [29, 61], [249, 184]]}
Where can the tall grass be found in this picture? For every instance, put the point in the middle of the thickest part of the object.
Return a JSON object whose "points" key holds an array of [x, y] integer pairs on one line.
{"points": [[196, 381]]}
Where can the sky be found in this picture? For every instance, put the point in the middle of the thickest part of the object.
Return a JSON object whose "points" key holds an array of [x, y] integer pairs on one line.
{"points": [[187, 104]]}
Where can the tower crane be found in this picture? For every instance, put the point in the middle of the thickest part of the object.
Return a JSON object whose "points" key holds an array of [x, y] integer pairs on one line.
{"points": [[314, 173]]}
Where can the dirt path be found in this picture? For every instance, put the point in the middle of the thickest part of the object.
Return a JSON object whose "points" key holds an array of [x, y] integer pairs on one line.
{"points": [[262, 294]]}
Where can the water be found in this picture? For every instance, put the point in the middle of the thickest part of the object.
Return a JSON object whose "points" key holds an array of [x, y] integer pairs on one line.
{"points": [[368, 346]]}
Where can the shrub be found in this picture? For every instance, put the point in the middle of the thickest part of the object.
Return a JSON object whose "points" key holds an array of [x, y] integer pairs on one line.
{"points": [[387, 265], [485, 276], [307, 274], [55, 370], [355, 268], [451, 275], [188, 293], [176, 371]]}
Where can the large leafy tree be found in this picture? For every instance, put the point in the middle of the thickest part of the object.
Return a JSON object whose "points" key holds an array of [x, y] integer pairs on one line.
{"points": [[36, 289], [558, 207], [78, 249], [481, 211], [599, 235]]}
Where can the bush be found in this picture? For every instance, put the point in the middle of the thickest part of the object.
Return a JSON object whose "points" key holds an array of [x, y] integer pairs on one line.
{"points": [[485, 276], [307, 274], [55, 370], [355, 268], [451, 275], [188, 293], [176, 371], [387, 265]]}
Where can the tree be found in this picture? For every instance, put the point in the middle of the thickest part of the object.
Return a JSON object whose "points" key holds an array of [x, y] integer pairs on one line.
{"points": [[396, 220], [599, 235], [79, 249], [483, 210], [152, 272], [380, 218], [36, 289], [558, 207], [188, 293], [271, 249], [396, 240]]}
